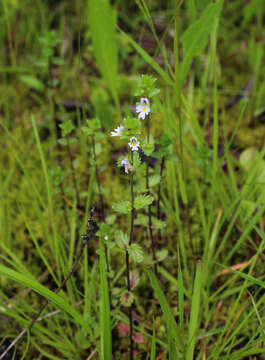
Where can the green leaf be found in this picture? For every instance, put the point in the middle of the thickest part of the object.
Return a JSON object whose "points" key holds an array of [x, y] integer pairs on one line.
{"points": [[57, 175], [87, 131], [32, 82], [195, 38], [110, 219], [148, 148], [154, 180], [132, 127], [67, 127], [248, 157], [136, 253], [158, 224], [161, 254], [164, 141], [122, 239], [104, 231], [146, 87], [102, 22], [136, 160], [94, 124], [142, 201], [122, 207], [141, 220]]}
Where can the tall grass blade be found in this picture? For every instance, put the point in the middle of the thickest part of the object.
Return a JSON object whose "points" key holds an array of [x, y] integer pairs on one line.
{"points": [[105, 320], [172, 327], [148, 59], [153, 346], [180, 295], [195, 38], [102, 22], [194, 314], [43, 291]]}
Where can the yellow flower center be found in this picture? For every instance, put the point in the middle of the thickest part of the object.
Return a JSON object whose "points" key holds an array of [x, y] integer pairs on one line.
{"points": [[143, 108]]}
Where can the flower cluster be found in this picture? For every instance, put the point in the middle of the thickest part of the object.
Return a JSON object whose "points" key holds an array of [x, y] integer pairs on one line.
{"points": [[131, 128]]}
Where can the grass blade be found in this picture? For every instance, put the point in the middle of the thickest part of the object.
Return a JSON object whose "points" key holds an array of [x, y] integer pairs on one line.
{"points": [[148, 59], [43, 291], [195, 38], [194, 314], [105, 320], [172, 327], [102, 22], [153, 346]]}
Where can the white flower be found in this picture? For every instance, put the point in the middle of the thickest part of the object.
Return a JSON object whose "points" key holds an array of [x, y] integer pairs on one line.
{"points": [[143, 109], [118, 131], [134, 143], [126, 164]]}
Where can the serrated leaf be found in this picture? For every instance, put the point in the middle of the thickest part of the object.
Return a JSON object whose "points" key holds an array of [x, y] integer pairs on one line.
{"points": [[87, 131], [158, 224], [136, 160], [161, 254], [132, 127], [141, 220], [146, 86], [122, 207], [110, 219], [195, 38], [62, 142], [122, 239], [67, 127], [136, 253], [148, 148], [142, 201], [154, 180]]}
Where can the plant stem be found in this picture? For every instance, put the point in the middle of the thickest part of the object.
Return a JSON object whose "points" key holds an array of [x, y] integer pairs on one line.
{"points": [[128, 259], [89, 233], [150, 206]]}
